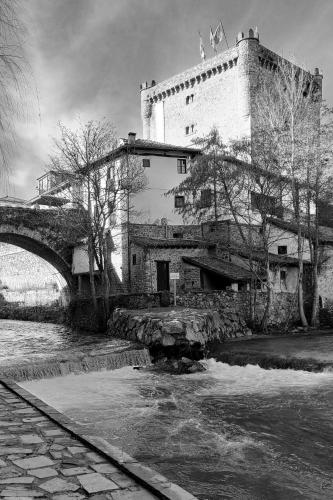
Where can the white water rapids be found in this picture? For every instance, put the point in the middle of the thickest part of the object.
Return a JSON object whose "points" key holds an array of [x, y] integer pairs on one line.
{"points": [[231, 432]]}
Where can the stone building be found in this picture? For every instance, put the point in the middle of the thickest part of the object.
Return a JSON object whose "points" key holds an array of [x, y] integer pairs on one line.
{"points": [[204, 260], [217, 92]]}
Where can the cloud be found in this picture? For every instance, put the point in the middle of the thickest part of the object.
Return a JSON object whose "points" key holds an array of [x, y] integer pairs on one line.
{"points": [[90, 56]]}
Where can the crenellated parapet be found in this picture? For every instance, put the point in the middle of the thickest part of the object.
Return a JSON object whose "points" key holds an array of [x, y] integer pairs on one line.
{"points": [[190, 78], [217, 92]]}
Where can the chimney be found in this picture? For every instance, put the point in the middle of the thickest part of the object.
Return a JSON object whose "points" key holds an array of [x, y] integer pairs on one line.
{"points": [[131, 138]]}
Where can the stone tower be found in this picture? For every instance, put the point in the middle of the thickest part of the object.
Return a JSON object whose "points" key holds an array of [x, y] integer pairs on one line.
{"points": [[217, 92]]}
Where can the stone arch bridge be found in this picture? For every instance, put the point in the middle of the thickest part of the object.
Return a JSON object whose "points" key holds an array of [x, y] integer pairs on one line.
{"points": [[50, 234]]}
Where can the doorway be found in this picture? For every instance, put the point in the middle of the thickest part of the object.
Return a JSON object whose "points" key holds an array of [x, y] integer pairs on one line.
{"points": [[162, 268]]}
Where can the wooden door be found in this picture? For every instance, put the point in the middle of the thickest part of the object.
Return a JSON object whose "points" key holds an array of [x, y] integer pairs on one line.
{"points": [[162, 267]]}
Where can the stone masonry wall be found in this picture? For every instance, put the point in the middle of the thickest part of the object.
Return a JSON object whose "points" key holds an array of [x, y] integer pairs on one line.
{"points": [[213, 83], [141, 278], [182, 329], [228, 303], [283, 309], [144, 273]]}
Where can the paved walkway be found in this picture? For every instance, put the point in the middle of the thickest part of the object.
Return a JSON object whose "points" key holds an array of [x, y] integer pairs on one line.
{"points": [[40, 459]]}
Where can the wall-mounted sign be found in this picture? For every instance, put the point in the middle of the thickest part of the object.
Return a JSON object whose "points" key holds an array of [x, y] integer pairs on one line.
{"points": [[174, 276]]}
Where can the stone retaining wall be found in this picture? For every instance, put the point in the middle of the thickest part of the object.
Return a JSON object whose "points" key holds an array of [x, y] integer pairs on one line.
{"points": [[182, 329], [283, 309]]}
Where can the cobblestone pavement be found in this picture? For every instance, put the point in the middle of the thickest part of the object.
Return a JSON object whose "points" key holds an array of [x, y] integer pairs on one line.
{"points": [[39, 459]]}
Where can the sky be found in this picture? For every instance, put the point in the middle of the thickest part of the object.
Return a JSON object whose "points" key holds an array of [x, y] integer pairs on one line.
{"points": [[88, 58]]}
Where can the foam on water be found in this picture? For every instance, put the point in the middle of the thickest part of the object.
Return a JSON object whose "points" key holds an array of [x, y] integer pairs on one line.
{"points": [[253, 379], [230, 432]]}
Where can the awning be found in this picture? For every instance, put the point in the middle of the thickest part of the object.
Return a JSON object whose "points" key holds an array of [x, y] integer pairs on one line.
{"points": [[219, 266]]}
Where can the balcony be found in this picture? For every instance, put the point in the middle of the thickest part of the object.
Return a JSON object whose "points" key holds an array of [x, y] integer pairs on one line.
{"points": [[51, 181]]}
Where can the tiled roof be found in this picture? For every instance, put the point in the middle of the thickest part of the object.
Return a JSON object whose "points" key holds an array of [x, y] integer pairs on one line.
{"points": [[325, 233], [170, 243], [221, 267], [260, 256], [145, 145]]}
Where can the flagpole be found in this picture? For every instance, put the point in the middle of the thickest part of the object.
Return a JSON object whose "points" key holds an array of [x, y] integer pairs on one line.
{"points": [[226, 41], [212, 38]]}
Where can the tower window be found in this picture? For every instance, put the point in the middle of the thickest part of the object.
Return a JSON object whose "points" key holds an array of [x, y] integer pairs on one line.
{"points": [[187, 130], [134, 259], [181, 165], [145, 163], [179, 201], [282, 249], [189, 99]]}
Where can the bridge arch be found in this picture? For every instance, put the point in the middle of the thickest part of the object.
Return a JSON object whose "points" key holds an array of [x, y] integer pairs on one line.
{"points": [[31, 241]]}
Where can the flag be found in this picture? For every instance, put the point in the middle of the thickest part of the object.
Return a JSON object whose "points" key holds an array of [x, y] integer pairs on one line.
{"points": [[211, 39], [218, 35], [202, 49]]}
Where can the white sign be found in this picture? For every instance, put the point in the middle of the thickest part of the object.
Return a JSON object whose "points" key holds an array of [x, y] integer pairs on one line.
{"points": [[174, 276]]}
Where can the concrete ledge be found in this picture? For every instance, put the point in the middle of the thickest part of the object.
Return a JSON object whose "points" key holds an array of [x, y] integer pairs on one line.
{"points": [[154, 482]]}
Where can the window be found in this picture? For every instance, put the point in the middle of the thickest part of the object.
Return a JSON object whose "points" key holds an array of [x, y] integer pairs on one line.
{"points": [[181, 165], [283, 276], [206, 198], [145, 163], [189, 129], [263, 203], [134, 259], [179, 201], [189, 99], [282, 249], [108, 173], [177, 235]]}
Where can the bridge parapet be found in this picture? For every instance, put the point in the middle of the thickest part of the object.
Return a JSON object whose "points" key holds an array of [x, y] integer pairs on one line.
{"points": [[50, 234]]}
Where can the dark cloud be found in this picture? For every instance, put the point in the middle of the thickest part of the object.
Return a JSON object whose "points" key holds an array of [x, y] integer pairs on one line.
{"points": [[89, 56]]}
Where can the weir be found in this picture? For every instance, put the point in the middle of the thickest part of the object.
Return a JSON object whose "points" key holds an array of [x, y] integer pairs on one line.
{"points": [[64, 365]]}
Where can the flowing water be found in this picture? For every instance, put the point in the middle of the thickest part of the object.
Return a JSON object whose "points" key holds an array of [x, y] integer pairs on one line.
{"points": [[30, 350], [229, 433]]}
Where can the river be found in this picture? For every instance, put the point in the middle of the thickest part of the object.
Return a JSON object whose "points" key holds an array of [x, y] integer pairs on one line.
{"points": [[229, 433]]}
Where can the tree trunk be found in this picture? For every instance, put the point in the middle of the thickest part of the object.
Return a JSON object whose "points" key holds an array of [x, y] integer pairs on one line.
{"points": [[314, 312], [106, 277], [265, 318], [92, 275], [300, 280], [91, 259]]}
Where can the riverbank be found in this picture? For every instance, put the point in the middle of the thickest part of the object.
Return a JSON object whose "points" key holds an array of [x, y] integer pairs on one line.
{"points": [[310, 351], [40, 313]]}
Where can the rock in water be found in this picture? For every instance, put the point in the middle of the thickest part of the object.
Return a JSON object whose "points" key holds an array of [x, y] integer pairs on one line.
{"points": [[179, 366]]}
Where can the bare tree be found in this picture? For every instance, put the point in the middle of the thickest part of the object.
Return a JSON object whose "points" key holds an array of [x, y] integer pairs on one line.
{"points": [[289, 112], [13, 76], [100, 183], [229, 187]]}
